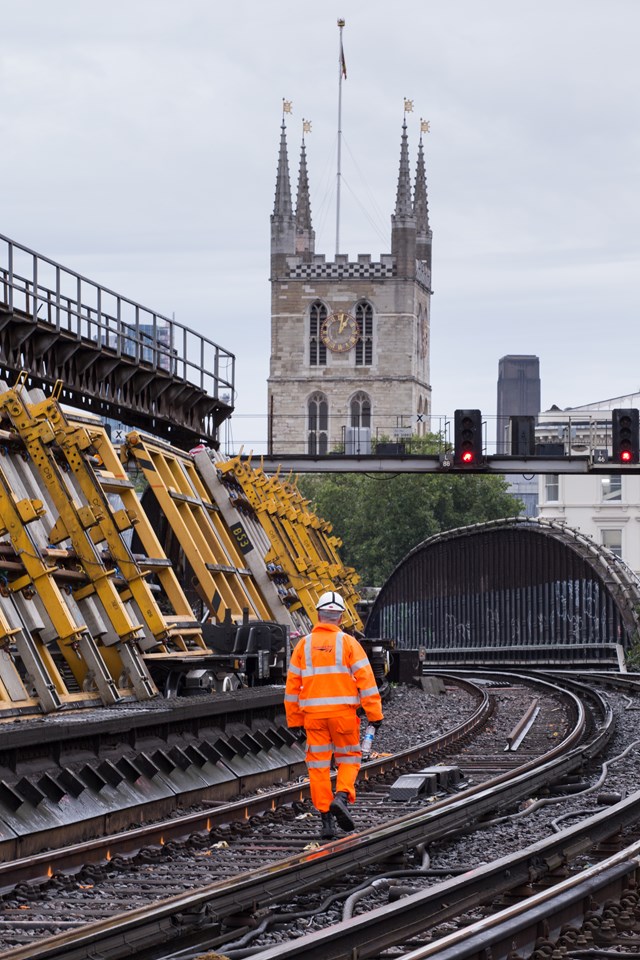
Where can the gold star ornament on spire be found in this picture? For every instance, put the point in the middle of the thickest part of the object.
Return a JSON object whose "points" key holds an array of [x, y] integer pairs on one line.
{"points": [[306, 126], [424, 126], [408, 106], [287, 106]]}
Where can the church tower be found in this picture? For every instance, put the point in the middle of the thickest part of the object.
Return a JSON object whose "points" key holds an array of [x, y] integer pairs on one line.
{"points": [[350, 339]]}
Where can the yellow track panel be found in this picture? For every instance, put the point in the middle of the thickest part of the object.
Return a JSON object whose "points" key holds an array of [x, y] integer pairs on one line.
{"points": [[36, 612], [317, 533], [185, 631], [299, 542], [15, 697], [250, 540], [282, 555], [76, 522], [76, 442], [223, 581], [244, 505]]}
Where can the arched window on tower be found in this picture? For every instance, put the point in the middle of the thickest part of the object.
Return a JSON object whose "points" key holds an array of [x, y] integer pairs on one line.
{"points": [[317, 349], [364, 346], [360, 410], [317, 424]]}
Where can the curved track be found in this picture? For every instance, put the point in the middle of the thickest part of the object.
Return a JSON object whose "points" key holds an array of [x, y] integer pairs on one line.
{"points": [[214, 906]]}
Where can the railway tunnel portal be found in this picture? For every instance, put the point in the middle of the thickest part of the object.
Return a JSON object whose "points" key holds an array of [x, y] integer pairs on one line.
{"points": [[524, 592]]}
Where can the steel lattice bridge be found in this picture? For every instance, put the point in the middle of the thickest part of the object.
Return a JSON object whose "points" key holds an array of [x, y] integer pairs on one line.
{"points": [[525, 592], [116, 358]]}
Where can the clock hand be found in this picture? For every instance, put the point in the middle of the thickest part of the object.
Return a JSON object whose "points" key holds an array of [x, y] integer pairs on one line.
{"points": [[343, 322]]}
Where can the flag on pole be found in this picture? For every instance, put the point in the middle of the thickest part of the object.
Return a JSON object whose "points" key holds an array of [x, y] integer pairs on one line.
{"points": [[343, 62]]}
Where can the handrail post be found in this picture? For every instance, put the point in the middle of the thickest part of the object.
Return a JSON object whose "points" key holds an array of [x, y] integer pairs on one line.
{"points": [[35, 286], [79, 308], [57, 297], [10, 257]]}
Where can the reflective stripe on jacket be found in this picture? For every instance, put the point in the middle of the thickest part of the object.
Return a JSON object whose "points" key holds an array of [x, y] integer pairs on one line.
{"points": [[329, 674]]}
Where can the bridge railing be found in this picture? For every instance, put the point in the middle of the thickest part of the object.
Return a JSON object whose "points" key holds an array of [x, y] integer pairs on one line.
{"points": [[80, 308]]}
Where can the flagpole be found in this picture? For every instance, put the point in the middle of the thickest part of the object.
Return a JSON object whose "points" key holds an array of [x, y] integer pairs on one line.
{"points": [[341, 73]]}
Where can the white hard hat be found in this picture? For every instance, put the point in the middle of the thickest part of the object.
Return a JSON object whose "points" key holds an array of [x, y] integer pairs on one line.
{"points": [[331, 601]]}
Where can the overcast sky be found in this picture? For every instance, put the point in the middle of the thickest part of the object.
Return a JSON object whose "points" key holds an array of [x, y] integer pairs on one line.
{"points": [[140, 142]]}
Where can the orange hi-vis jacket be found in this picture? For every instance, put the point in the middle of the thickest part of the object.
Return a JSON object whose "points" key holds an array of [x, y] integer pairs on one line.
{"points": [[329, 674]]}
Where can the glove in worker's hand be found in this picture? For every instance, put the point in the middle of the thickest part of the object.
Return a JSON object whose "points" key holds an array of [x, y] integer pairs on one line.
{"points": [[299, 733], [376, 724]]}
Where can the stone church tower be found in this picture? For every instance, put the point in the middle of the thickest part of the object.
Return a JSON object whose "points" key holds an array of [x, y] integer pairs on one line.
{"points": [[350, 339]]}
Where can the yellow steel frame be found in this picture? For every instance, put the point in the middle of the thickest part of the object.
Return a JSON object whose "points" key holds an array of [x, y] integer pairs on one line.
{"points": [[76, 523], [223, 581], [14, 696], [76, 441], [185, 631], [300, 544], [73, 640], [250, 539]]}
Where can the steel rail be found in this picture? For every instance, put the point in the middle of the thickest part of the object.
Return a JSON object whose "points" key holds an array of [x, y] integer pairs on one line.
{"points": [[555, 907], [145, 928], [366, 935], [129, 842]]}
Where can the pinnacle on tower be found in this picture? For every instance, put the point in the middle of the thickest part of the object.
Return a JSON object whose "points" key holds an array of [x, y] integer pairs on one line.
{"points": [[421, 210], [282, 220], [403, 221], [305, 235], [404, 207], [282, 206]]}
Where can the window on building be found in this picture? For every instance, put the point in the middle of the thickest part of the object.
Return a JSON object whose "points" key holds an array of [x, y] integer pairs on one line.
{"points": [[611, 488], [317, 349], [360, 410], [612, 539], [364, 346], [552, 487], [318, 424]]}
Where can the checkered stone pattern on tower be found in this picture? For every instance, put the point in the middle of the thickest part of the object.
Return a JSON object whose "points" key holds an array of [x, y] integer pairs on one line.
{"points": [[341, 271]]}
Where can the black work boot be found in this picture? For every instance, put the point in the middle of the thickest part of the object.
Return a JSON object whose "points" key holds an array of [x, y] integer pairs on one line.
{"points": [[327, 830], [339, 809]]}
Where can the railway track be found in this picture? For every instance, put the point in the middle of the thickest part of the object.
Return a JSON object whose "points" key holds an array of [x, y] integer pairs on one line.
{"points": [[262, 859]]}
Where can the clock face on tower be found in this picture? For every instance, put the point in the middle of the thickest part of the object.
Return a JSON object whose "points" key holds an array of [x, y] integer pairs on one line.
{"points": [[340, 332]]}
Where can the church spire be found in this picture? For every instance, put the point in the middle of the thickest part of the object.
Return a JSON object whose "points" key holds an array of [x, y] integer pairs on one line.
{"points": [[282, 221], [282, 206], [404, 207], [421, 210], [403, 221], [305, 235]]}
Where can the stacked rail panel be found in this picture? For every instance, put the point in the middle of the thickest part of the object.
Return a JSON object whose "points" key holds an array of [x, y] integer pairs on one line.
{"points": [[84, 621]]}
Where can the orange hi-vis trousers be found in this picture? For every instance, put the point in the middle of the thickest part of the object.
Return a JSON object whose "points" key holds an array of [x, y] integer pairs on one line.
{"points": [[338, 735]]}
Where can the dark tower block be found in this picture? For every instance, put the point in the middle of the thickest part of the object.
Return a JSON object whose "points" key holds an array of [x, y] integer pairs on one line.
{"points": [[518, 394]]}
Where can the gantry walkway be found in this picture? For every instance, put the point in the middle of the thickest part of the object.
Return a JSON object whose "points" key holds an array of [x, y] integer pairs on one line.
{"points": [[115, 357]]}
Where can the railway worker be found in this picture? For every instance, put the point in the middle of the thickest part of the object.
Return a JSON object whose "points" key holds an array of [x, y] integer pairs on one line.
{"points": [[329, 678]]}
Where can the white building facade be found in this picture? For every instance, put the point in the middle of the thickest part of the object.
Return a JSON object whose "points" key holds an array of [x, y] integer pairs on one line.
{"points": [[605, 507]]}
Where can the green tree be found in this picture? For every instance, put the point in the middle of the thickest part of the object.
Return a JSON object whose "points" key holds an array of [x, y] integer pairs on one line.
{"points": [[381, 517]]}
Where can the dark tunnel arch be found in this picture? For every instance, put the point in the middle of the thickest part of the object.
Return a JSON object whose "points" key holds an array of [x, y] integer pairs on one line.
{"points": [[532, 592]]}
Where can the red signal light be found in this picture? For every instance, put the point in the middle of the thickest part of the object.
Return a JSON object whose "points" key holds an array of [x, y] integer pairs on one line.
{"points": [[467, 444], [625, 435]]}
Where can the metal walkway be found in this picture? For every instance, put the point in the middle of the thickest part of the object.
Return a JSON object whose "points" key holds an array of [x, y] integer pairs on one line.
{"points": [[116, 358]]}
